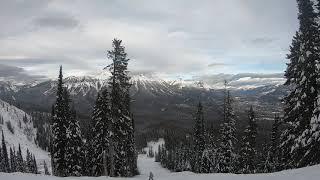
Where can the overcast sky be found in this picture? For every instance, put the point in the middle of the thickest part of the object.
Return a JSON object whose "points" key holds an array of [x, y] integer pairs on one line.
{"points": [[175, 38]]}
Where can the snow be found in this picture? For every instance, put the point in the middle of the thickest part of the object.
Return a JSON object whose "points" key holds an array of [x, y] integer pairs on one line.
{"points": [[147, 165], [24, 136]]}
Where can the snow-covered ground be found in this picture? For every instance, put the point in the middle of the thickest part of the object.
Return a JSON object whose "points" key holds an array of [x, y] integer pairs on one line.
{"points": [[23, 133], [26, 133], [147, 165]]}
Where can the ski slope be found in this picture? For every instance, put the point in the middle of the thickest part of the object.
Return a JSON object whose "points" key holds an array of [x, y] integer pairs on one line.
{"points": [[147, 165], [24, 133]]}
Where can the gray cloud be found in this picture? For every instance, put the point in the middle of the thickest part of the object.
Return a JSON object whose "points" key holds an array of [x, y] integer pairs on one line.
{"points": [[217, 64], [18, 74], [57, 21], [7, 71], [160, 36], [262, 40]]}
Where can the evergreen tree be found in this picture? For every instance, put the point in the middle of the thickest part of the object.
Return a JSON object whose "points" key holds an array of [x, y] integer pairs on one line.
{"points": [[198, 138], [59, 127], [35, 166], [20, 162], [227, 154], [29, 165], [74, 154], [5, 158], [88, 162], [248, 152], [272, 162], [102, 134], [45, 167], [122, 125], [300, 142], [13, 161]]}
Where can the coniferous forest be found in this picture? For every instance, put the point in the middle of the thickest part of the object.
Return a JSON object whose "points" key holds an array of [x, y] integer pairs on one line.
{"points": [[294, 140], [109, 144]]}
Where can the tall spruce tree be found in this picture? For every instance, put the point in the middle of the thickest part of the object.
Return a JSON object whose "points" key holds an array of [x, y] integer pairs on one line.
{"points": [[102, 133], [300, 142], [272, 162], [20, 162], [5, 158], [45, 167], [12, 161], [59, 127], [122, 125], [198, 139], [226, 161], [74, 154], [248, 152]]}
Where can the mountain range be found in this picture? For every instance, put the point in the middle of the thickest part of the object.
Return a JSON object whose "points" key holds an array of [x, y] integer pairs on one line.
{"points": [[157, 101]]}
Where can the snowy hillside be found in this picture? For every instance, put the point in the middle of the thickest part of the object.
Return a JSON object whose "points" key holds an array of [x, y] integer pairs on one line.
{"points": [[22, 132]]}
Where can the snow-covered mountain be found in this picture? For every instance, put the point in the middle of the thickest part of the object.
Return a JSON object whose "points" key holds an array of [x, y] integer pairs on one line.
{"points": [[155, 85], [18, 128], [159, 100]]}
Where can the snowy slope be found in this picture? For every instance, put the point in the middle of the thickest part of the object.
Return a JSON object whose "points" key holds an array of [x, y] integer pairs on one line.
{"points": [[147, 165], [23, 135]]}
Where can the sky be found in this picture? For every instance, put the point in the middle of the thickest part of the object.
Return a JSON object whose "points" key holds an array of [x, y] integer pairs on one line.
{"points": [[173, 38]]}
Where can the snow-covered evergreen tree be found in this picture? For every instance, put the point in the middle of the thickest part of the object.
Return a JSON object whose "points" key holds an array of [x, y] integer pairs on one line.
{"points": [[300, 142], [45, 167], [59, 128], [102, 134], [5, 158], [227, 154], [13, 165], [122, 124], [20, 162], [198, 139], [248, 152], [28, 163], [74, 154], [35, 166], [272, 161]]}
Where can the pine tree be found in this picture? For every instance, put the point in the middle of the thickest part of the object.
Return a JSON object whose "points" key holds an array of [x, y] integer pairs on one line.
{"points": [[5, 158], [45, 167], [227, 154], [13, 165], [272, 162], [122, 125], [29, 165], [59, 127], [102, 134], [74, 154], [248, 152], [20, 162], [300, 142], [88, 162], [1, 161], [35, 166], [198, 138]]}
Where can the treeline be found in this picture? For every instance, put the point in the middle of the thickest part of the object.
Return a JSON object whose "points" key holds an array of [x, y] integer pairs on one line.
{"points": [[203, 152], [41, 121], [298, 143], [110, 148], [13, 161]]}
